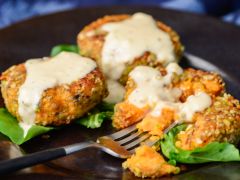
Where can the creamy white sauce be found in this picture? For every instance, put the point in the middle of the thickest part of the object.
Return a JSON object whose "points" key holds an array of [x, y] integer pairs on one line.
{"points": [[194, 103], [45, 73], [116, 92], [25, 127], [185, 111], [129, 39], [152, 87]]}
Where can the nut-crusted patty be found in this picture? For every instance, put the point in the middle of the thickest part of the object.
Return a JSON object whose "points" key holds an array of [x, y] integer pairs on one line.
{"points": [[58, 105], [91, 41], [220, 122]]}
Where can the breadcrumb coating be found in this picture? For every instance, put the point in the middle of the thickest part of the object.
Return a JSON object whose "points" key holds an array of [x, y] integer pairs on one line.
{"points": [[126, 114], [193, 80]]}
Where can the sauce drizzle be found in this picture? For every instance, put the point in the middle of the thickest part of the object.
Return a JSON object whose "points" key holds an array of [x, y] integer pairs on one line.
{"points": [[131, 38]]}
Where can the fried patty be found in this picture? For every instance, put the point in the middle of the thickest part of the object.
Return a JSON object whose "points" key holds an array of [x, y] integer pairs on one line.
{"points": [[220, 122], [58, 105], [91, 40]]}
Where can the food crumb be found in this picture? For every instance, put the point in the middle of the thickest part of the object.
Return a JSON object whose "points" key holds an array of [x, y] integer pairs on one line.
{"points": [[147, 162]]}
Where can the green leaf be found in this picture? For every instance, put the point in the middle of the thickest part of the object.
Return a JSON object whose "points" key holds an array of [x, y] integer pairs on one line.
{"points": [[212, 152], [64, 47], [10, 127], [95, 119]]}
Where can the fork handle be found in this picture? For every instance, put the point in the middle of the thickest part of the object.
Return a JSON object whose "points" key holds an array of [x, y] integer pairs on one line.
{"points": [[7, 166]]}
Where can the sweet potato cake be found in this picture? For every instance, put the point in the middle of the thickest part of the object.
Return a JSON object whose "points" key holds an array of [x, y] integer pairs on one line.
{"points": [[220, 123], [62, 103], [93, 43], [183, 85]]}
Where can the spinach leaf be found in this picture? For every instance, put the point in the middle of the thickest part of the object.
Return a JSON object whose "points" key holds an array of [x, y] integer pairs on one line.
{"points": [[10, 127], [64, 47], [94, 119], [212, 152]]}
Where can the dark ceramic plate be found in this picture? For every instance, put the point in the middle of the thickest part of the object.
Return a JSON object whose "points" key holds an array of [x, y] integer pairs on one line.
{"points": [[217, 44]]}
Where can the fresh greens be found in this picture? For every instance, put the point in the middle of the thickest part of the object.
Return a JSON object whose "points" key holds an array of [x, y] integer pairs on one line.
{"points": [[95, 117], [64, 47], [215, 151], [94, 120], [10, 127]]}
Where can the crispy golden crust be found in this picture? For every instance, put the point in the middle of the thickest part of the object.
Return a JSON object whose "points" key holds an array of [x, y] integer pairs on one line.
{"points": [[147, 162], [192, 81], [91, 45], [147, 59], [59, 105], [125, 113], [220, 122], [11, 80]]}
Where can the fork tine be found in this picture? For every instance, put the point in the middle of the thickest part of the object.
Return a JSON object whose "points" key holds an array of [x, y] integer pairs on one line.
{"points": [[152, 142], [175, 123], [136, 143], [123, 143], [129, 138], [123, 133]]}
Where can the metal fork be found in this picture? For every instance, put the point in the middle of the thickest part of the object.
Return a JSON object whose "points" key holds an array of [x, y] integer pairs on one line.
{"points": [[121, 144]]}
